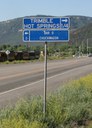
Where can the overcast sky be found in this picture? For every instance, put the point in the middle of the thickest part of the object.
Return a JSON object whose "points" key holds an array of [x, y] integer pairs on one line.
{"points": [[10, 9]]}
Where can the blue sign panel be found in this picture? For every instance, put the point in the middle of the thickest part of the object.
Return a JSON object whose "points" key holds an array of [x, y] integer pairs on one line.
{"points": [[26, 35], [65, 23], [46, 35], [48, 23], [49, 29]]}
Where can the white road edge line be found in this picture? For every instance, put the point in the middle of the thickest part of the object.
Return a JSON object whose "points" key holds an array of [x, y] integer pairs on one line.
{"points": [[24, 86]]}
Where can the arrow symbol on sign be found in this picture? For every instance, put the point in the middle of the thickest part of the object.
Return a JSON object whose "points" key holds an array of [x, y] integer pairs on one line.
{"points": [[64, 20], [26, 33]]}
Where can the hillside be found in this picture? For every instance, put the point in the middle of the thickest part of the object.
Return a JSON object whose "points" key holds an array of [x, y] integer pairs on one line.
{"points": [[79, 21], [82, 34], [11, 30]]}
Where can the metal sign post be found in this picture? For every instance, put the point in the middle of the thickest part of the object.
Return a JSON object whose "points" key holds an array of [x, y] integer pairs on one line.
{"points": [[45, 77], [46, 29]]}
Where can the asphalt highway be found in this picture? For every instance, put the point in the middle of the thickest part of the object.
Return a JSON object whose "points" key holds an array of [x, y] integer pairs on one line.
{"points": [[20, 80]]}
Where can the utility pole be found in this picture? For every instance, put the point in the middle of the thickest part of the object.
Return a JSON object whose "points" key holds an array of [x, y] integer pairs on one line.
{"points": [[79, 50], [87, 47], [82, 47]]}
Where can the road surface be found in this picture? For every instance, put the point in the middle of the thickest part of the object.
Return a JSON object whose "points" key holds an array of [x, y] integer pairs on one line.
{"points": [[20, 80]]}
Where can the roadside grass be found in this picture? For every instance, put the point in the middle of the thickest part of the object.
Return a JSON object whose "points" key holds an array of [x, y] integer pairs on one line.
{"points": [[18, 61], [69, 107], [36, 60]]}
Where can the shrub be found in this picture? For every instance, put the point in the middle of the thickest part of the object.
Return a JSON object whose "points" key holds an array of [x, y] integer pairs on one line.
{"points": [[69, 106], [14, 123]]}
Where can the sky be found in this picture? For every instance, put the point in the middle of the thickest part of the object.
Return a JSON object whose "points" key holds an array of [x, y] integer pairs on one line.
{"points": [[10, 9]]}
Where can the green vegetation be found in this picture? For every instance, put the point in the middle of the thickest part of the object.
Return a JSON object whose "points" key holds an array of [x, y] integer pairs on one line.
{"points": [[68, 107], [17, 61], [54, 52]]}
